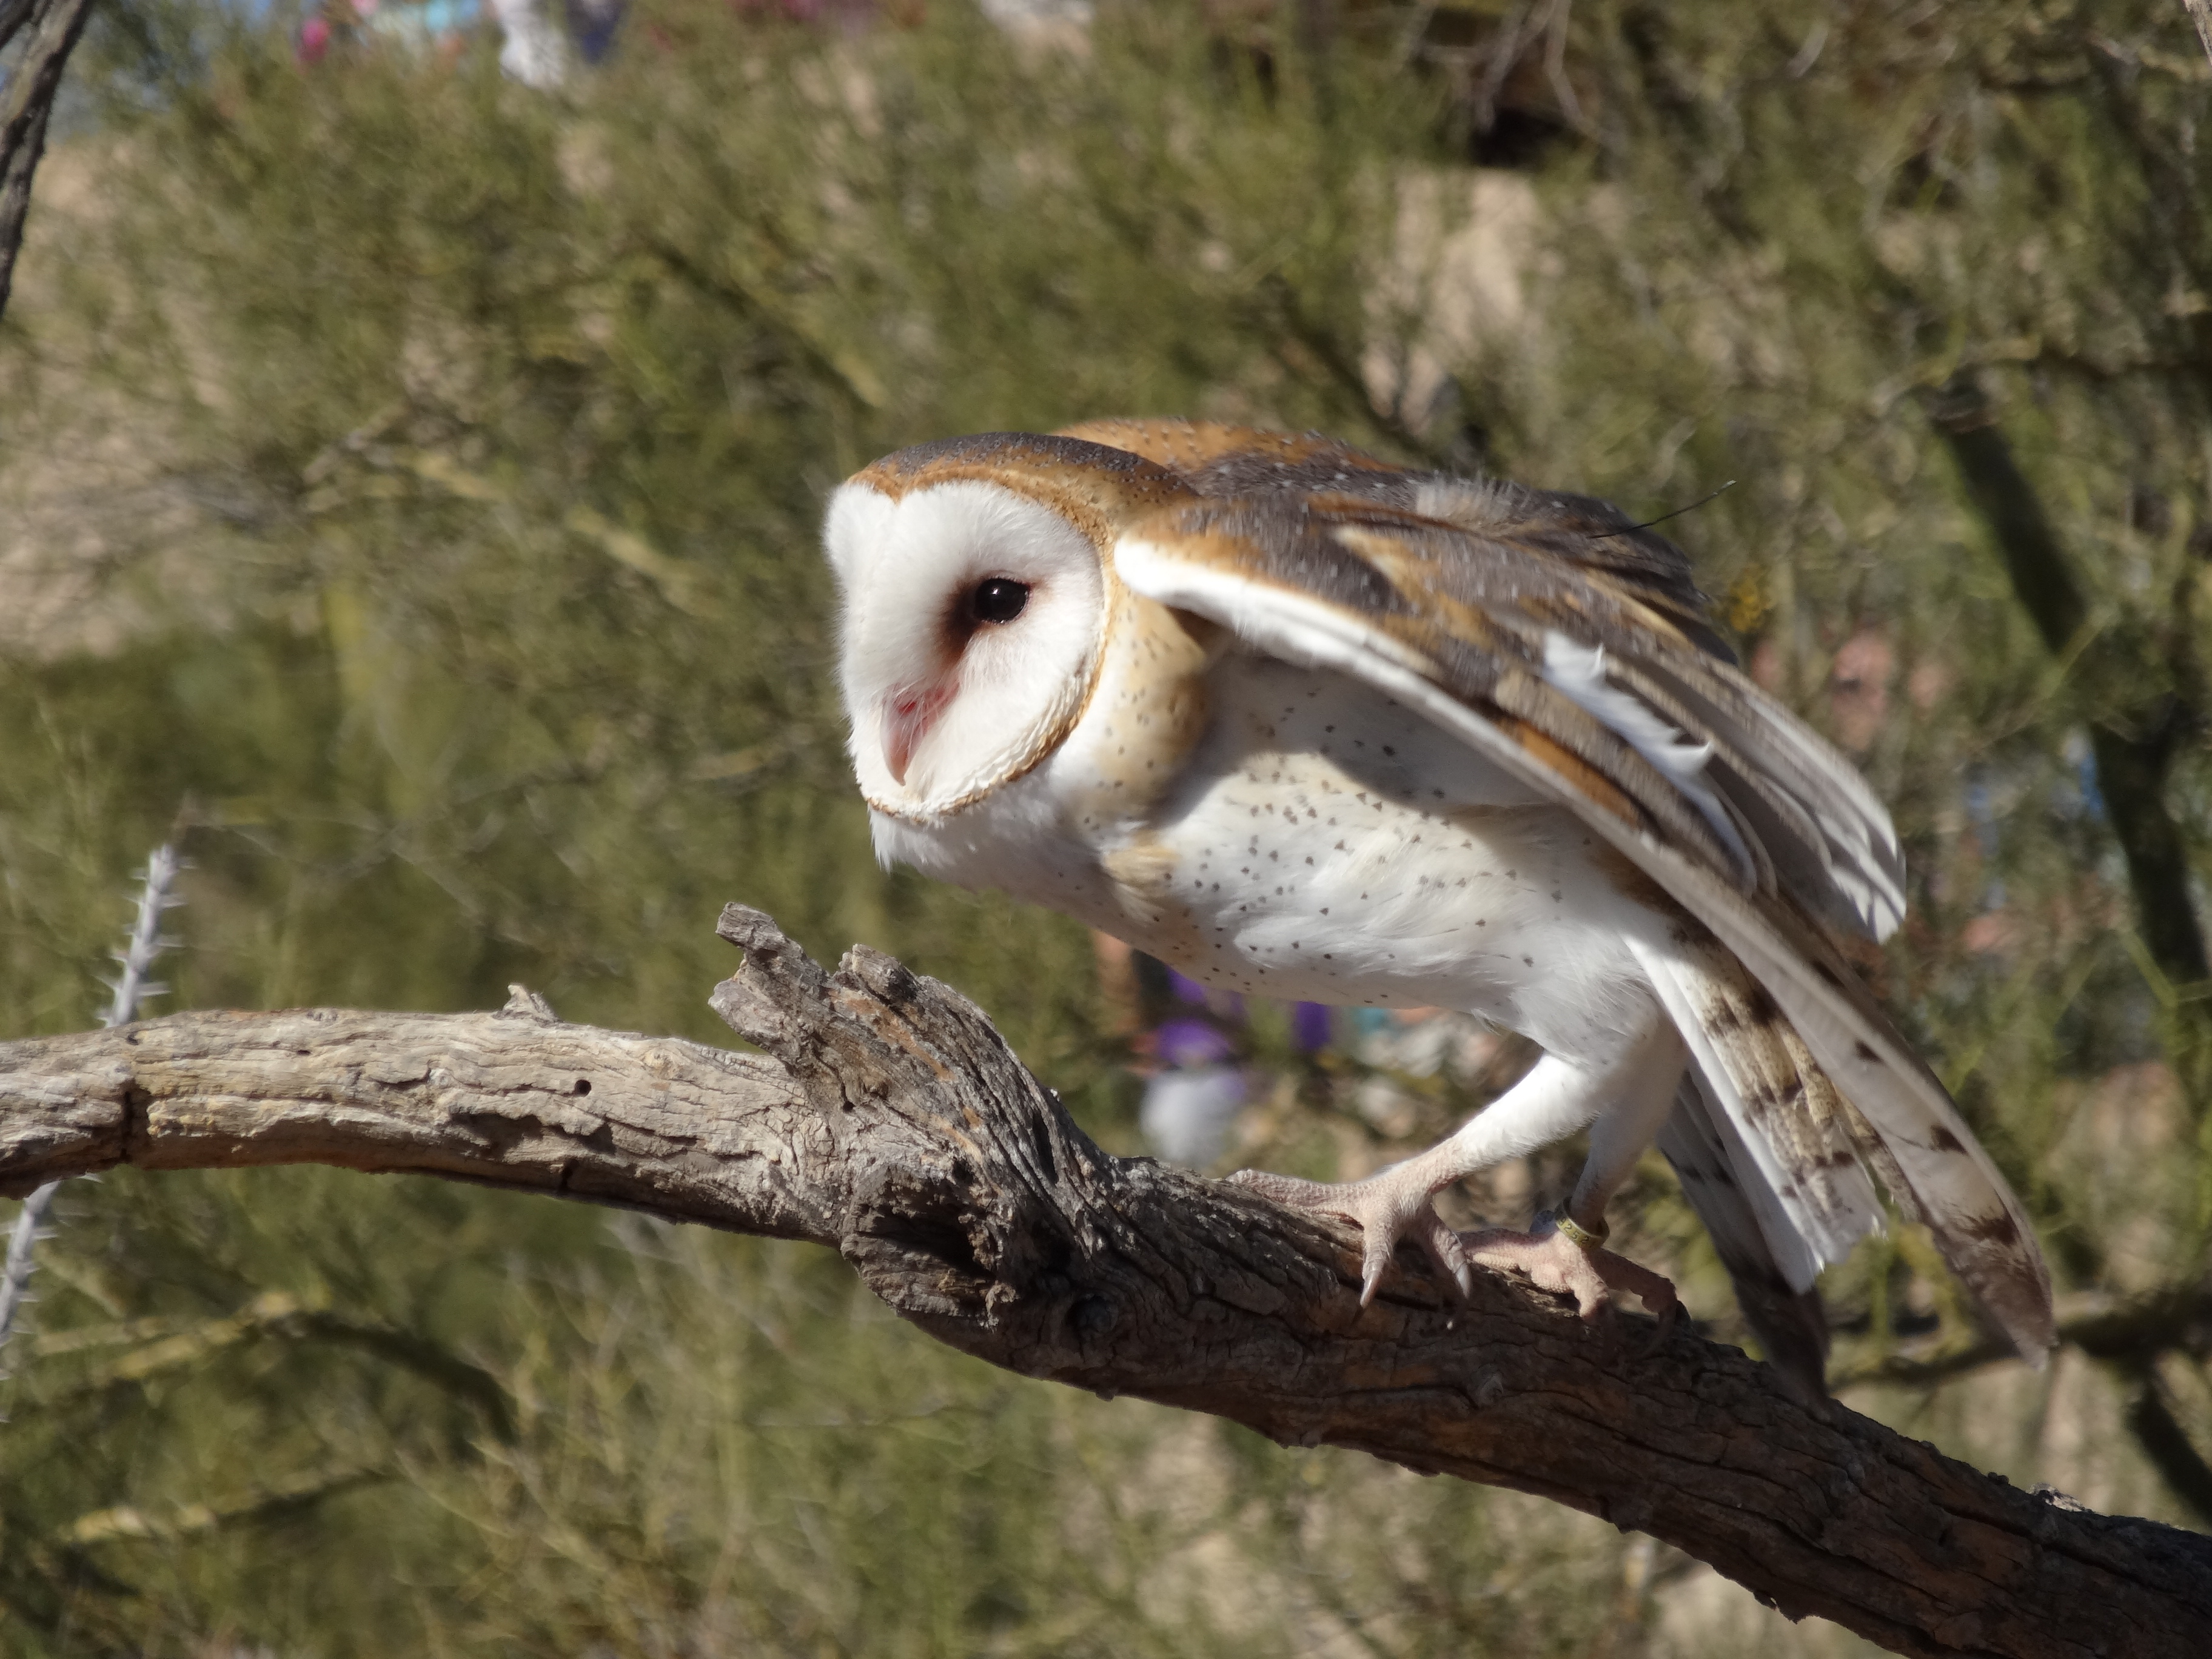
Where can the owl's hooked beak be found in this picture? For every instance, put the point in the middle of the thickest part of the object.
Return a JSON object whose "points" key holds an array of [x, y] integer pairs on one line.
{"points": [[908, 717]]}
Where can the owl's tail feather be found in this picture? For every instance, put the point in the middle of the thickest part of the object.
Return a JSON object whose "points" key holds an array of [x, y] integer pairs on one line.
{"points": [[1770, 1107], [1786, 1127], [1786, 1316]]}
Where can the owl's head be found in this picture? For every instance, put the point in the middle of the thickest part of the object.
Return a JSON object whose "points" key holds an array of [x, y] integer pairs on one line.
{"points": [[977, 579]]}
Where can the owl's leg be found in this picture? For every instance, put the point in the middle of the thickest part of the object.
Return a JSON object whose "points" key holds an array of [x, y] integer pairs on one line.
{"points": [[1565, 1251], [1628, 1092]]}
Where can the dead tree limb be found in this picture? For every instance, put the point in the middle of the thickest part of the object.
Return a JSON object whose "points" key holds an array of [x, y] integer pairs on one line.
{"points": [[27, 101], [887, 1120]]}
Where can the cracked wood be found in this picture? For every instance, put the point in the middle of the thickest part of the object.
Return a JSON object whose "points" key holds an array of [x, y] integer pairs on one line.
{"points": [[886, 1119]]}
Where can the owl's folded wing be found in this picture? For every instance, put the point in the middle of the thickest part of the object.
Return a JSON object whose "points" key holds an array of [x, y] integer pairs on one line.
{"points": [[1224, 461], [1566, 678]]}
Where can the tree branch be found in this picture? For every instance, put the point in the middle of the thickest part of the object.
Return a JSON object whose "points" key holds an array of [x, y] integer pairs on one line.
{"points": [[2122, 1331], [2129, 1335], [27, 98], [2134, 747], [888, 1120], [2133, 740]]}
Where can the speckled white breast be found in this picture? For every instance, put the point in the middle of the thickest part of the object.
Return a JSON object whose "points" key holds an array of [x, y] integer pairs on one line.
{"points": [[1323, 842], [1326, 843]]}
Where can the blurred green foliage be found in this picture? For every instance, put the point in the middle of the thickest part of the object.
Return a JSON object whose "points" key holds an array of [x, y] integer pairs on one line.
{"points": [[482, 638]]}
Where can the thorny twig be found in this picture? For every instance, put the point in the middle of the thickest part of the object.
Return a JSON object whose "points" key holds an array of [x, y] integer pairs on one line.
{"points": [[130, 987]]}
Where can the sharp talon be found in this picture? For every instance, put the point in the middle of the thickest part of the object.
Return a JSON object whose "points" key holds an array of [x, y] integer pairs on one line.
{"points": [[1442, 1247], [1387, 1208]]}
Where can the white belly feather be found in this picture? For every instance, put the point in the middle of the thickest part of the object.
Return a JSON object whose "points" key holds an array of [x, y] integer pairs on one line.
{"points": [[1331, 846], [1324, 844]]}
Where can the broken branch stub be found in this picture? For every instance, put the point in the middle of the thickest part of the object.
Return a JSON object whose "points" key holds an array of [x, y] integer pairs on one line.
{"points": [[975, 1205], [887, 1119]]}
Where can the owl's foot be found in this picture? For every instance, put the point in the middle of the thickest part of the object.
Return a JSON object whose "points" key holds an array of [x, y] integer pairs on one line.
{"points": [[1586, 1271], [1386, 1208]]}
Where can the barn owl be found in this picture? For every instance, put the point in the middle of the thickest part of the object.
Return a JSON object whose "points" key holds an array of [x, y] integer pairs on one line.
{"points": [[1306, 724]]}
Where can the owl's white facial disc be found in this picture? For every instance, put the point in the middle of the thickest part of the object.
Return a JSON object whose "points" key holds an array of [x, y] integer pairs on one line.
{"points": [[971, 634]]}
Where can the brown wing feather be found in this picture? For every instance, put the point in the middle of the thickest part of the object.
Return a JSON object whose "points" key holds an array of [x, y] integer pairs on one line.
{"points": [[1479, 607], [1475, 613], [1222, 460]]}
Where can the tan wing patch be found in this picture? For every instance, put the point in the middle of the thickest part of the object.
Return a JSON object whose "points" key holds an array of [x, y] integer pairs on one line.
{"points": [[1592, 784]]}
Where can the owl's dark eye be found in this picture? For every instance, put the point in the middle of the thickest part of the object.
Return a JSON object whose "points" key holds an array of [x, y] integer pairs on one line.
{"points": [[998, 599]]}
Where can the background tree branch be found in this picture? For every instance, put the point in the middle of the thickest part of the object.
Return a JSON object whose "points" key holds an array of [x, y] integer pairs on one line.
{"points": [[27, 99], [2134, 748], [888, 1120]]}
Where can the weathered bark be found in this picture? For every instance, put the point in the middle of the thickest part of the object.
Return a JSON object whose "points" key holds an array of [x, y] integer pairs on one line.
{"points": [[888, 1120]]}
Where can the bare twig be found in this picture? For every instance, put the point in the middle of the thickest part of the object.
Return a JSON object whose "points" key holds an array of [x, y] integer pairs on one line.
{"points": [[887, 1120], [128, 989]]}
